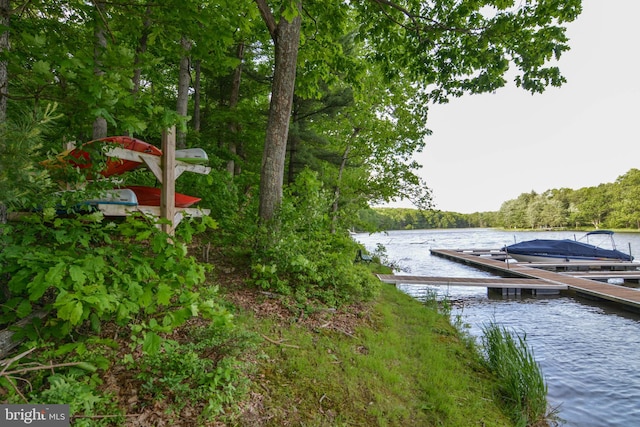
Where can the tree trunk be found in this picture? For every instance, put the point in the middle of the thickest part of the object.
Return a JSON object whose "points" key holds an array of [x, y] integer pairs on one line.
{"points": [[197, 93], [5, 13], [140, 50], [286, 36], [234, 128], [336, 193], [100, 44], [184, 81], [5, 16], [293, 141], [100, 128]]}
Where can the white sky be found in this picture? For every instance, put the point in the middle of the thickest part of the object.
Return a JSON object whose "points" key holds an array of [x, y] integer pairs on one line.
{"points": [[487, 149]]}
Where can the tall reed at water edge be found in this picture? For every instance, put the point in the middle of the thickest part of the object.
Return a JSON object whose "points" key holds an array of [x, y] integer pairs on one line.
{"points": [[520, 377]]}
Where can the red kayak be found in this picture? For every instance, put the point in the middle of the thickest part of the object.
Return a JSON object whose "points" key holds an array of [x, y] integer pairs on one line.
{"points": [[150, 196], [82, 158]]}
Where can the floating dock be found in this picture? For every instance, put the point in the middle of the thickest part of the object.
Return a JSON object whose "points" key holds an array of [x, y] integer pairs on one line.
{"points": [[581, 278]]}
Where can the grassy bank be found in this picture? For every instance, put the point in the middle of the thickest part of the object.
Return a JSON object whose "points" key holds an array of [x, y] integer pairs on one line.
{"points": [[172, 353], [393, 362]]}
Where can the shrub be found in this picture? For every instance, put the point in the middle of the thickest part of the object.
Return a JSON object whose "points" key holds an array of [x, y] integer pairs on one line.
{"points": [[303, 258], [206, 369], [85, 271]]}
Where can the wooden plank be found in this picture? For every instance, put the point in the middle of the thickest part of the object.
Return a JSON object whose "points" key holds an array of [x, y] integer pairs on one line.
{"points": [[584, 265], [168, 194], [153, 162], [188, 167], [121, 210], [631, 275], [488, 282]]}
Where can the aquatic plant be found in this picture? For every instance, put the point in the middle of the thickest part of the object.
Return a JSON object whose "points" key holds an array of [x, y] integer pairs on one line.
{"points": [[521, 382]]}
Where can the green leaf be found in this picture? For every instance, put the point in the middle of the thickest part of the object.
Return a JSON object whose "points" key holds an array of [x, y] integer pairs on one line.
{"points": [[195, 309], [182, 249], [96, 325], [24, 309], [181, 316], [146, 299], [37, 287], [77, 275], [87, 366], [151, 344], [66, 348], [143, 235], [167, 320], [134, 289], [56, 273], [164, 294], [101, 362], [42, 67], [71, 311], [19, 279]]}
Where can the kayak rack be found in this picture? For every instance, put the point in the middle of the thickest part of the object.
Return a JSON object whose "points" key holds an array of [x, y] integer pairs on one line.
{"points": [[167, 170]]}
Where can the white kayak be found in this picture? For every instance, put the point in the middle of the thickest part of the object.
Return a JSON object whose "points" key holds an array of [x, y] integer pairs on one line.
{"points": [[192, 155]]}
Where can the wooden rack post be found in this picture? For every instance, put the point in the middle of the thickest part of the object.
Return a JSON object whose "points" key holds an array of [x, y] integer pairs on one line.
{"points": [[168, 194]]}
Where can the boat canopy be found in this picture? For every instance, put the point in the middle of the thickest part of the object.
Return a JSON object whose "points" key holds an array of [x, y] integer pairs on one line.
{"points": [[607, 232]]}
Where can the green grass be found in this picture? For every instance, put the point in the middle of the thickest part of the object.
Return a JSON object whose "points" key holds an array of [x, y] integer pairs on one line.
{"points": [[406, 365]]}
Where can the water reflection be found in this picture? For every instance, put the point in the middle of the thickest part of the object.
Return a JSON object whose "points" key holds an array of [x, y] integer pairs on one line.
{"points": [[589, 352]]}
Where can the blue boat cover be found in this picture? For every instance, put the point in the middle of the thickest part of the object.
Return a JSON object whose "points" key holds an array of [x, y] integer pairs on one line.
{"points": [[565, 249]]}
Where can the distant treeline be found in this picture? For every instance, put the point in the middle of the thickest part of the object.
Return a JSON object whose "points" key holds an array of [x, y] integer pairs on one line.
{"points": [[405, 218], [611, 205]]}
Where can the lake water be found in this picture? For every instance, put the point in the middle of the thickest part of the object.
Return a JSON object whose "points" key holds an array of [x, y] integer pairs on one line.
{"points": [[589, 352]]}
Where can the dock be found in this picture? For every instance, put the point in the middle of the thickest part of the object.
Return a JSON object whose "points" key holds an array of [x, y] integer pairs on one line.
{"points": [[628, 297], [508, 286], [581, 278]]}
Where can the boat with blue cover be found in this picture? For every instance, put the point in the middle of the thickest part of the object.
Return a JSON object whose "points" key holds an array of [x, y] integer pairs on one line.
{"points": [[565, 250]]}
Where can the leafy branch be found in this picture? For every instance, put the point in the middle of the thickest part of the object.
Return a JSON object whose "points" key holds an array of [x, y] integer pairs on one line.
{"points": [[10, 374]]}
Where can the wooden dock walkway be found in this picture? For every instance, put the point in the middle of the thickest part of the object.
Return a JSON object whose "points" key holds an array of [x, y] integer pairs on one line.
{"points": [[487, 282], [608, 266], [605, 275], [628, 297]]}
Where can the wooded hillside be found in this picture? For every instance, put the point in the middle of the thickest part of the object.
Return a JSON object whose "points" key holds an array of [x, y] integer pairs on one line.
{"points": [[608, 205], [267, 89]]}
